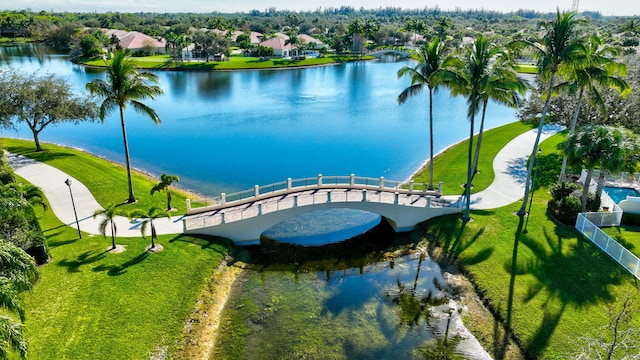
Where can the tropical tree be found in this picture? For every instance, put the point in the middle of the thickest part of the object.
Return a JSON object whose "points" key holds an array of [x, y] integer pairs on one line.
{"points": [[592, 146], [125, 85], [293, 40], [621, 158], [109, 215], [147, 220], [18, 273], [30, 193], [163, 185], [559, 44], [469, 77], [502, 85], [40, 101], [428, 72], [595, 66]]}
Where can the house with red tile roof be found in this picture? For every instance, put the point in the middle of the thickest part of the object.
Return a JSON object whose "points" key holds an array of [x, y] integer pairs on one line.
{"points": [[137, 41]]}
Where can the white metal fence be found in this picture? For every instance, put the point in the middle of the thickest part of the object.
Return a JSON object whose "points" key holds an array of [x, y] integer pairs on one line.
{"points": [[585, 224]]}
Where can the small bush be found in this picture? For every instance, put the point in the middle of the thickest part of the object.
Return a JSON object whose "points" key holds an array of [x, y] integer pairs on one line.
{"points": [[563, 189], [593, 202], [6, 174], [568, 210]]}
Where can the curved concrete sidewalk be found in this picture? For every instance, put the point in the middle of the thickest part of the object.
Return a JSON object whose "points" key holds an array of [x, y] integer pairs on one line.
{"points": [[52, 183], [510, 169], [508, 187]]}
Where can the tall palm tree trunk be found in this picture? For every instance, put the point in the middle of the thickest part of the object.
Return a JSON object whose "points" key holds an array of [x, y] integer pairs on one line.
{"points": [[113, 235], [574, 121], [527, 186], [430, 138], [585, 189], [466, 217], [477, 154], [131, 198]]}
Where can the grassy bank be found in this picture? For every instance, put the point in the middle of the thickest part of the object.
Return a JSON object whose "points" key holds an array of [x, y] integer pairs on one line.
{"points": [[563, 284], [450, 166], [165, 62], [107, 180], [92, 304]]}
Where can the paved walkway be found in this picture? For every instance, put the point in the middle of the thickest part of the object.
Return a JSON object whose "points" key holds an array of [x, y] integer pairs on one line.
{"points": [[52, 182], [510, 169], [507, 188]]}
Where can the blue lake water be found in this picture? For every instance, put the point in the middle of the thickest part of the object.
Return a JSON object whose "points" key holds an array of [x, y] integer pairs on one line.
{"points": [[228, 131]]}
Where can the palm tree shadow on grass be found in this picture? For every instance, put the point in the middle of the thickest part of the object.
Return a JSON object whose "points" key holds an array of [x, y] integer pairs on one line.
{"points": [[115, 270], [574, 274], [85, 258]]}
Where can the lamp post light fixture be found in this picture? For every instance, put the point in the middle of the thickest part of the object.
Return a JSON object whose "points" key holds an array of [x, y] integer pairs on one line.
{"points": [[68, 183], [533, 184]]}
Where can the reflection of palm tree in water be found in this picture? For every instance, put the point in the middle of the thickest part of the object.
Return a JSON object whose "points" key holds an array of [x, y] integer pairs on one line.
{"points": [[412, 307]]}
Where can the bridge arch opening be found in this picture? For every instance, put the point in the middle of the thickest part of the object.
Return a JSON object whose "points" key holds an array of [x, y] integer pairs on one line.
{"points": [[327, 226]]}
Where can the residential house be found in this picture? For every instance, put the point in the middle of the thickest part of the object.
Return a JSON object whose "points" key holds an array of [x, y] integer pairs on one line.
{"points": [[137, 41]]}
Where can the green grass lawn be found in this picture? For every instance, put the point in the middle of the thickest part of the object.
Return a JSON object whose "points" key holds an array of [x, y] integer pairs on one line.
{"points": [[107, 180], [563, 284], [92, 304], [627, 235], [527, 69], [452, 162], [234, 63]]}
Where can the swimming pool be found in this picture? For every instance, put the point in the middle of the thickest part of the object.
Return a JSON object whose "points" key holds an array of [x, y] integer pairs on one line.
{"points": [[618, 194]]}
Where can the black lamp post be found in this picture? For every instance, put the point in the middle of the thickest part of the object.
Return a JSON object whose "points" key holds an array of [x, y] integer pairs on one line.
{"points": [[68, 182], [533, 184]]}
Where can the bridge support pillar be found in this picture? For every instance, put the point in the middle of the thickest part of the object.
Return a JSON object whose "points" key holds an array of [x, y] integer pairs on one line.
{"points": [[428, 201], [319, 179], [352, 179], [381, 182], [396, 198], [222, 217], [288, 183], [329, 197], [364, 195], [223, 199], [411, 185], [295, 201], [256, 190], [260, 209], [188, 205]]}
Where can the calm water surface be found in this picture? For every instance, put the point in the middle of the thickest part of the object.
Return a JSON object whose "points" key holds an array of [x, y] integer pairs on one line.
{"points": [[227, 131]]}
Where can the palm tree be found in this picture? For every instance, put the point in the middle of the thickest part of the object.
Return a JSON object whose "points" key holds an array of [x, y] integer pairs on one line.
{"points": [[468, 78], [593, 146], [596, 66], [163, 185], [621, 158], [147, 219], [502, 85], [559, 45], [292, 40], [109, 213], [125, 85], [18, 273], [427, 73]]}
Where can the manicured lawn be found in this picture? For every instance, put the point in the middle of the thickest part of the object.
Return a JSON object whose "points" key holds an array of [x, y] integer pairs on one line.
{"points": [[527, 69], [234, 63], [92, 304], [628, 236], [452, 163], [107, 180], [563, 284]]}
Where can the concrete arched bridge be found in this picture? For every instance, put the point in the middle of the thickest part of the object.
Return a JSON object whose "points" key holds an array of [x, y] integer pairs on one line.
{"points": [[391, 51], [244, 216]]}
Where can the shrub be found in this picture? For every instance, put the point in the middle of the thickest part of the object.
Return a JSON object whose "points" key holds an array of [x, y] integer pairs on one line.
{"points": [[563, 189], [567, 209], [593, 202]]}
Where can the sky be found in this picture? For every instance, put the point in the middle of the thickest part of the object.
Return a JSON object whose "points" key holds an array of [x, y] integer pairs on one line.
{"points": [[607, 8]]}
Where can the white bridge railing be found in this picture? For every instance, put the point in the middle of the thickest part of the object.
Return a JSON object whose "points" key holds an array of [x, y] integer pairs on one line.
{"points": [[319, 182]]}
